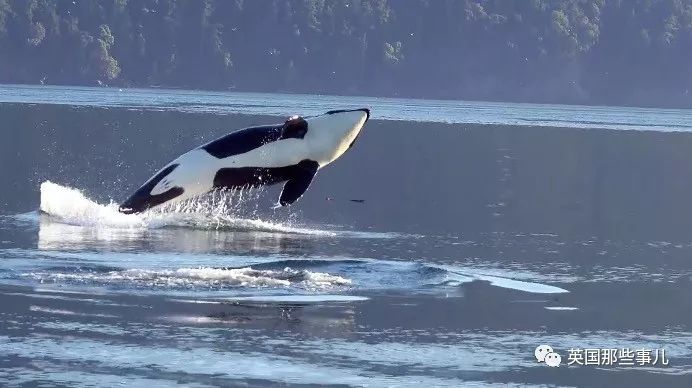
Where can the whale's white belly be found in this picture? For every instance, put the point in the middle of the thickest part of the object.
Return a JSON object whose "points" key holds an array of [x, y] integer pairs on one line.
{"points": [[280, 153], [197, 168]]}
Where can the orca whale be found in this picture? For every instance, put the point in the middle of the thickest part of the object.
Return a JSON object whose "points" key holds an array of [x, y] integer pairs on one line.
{"points": [[291, 152]]}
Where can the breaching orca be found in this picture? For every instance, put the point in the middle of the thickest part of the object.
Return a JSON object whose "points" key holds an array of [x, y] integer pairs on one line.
{"points": [[291, 152]]}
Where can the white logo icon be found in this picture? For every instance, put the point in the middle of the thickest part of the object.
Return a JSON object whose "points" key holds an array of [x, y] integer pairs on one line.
{"points": [[553, 359], [541, 351]]}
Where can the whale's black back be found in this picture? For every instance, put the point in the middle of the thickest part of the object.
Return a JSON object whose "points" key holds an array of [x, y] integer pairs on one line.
{"points": [[242, 141]]}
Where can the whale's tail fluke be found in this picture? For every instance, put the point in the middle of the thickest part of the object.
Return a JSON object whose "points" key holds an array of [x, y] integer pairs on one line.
{"points": [[143, 199]]}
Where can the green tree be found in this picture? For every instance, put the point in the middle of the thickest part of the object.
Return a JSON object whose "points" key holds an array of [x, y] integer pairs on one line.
{"points": [[583, 51], [104, 65]]}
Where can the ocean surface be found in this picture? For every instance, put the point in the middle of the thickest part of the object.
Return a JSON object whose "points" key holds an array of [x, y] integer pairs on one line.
{"points": [[441, 250]]}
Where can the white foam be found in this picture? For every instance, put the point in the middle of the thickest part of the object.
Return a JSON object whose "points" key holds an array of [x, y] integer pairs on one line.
{"points": [[71, 206], [201, 277], [299, 298], [519, 285], [194, 301], [46, 310], [465, 275]]}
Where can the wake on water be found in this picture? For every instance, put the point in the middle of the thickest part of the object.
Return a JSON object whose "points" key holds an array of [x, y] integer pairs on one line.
{"points": [[219, 210], [216, 210]]}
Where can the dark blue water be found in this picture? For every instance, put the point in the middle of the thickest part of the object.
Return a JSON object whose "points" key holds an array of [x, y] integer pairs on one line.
{"points": [[478, 232]]}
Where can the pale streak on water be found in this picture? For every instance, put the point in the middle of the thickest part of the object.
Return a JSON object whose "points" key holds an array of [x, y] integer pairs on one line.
{"points": [[276, 104], [469, 247]]}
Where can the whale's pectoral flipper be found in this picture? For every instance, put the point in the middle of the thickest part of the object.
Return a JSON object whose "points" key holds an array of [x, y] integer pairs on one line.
{"points": [[299, 182]]}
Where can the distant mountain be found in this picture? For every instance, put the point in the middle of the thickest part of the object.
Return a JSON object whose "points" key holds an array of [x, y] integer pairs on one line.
{"points": [[627, 52]]}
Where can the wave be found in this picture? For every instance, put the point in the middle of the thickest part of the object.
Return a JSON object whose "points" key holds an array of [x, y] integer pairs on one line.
{"points": [[214, 211], [210, 274], [202, 277], [161, 272]]}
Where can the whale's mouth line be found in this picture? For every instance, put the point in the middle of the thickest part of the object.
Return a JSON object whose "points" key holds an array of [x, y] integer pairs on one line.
{"points": [[366, 110]]}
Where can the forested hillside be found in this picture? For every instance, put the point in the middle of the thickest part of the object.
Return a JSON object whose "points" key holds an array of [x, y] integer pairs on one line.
{"points": [[575, 51]]}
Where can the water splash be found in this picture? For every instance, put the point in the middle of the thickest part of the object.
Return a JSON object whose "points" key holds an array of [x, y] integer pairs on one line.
{"points": [[71, 206], [220, 209]]}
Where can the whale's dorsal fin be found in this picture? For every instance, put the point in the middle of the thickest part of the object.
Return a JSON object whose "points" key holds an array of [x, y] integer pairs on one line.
{"points": [[295, 127], [299, 182]]}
